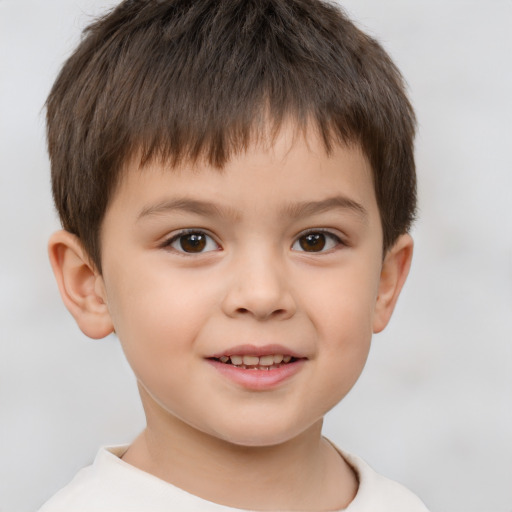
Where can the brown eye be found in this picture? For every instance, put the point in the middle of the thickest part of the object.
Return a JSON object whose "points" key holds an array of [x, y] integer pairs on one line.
{"points": [[312, 242], [316, 241], [193, 243]]}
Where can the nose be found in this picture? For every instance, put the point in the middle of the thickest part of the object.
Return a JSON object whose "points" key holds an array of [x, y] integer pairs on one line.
{"points": [[258, 287]]}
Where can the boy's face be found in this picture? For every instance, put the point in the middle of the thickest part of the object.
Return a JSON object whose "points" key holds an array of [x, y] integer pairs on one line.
{"points": [[279, 254]]}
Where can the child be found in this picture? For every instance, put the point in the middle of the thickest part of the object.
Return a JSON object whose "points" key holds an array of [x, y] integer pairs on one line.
{"points": [[236, 183]]}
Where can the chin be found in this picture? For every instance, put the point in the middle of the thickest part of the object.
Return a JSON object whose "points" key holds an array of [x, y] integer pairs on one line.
{"points": [[260, 435]]}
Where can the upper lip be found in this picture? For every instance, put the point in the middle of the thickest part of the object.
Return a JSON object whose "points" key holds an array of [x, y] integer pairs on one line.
{"points": [[257, 350]]}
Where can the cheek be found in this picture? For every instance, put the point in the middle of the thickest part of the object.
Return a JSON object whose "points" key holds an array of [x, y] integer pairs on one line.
{"points": [[157, 336], [343, 303], [154, 314], [346, 339], [343, 316]]}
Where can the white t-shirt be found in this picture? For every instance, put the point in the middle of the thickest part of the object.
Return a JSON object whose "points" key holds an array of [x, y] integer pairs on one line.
{"points": [[112, 485]]}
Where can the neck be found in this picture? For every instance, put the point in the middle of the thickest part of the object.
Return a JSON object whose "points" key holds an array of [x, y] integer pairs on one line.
{"points": [[302, 473]]}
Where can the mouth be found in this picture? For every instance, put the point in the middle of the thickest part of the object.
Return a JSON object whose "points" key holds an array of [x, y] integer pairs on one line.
{"points": [[266, 362], [257, 367]]}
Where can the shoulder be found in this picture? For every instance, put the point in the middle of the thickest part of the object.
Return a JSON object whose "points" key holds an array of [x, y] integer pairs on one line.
{"points": [[89, 487], [112, 485], [377, 493]]}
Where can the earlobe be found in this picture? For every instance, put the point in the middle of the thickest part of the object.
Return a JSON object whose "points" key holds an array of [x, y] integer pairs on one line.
{"points": [[395, 269], [80, 284]]}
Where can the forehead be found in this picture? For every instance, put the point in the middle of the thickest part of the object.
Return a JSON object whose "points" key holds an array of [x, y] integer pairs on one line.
{"points": [[290, 166]]}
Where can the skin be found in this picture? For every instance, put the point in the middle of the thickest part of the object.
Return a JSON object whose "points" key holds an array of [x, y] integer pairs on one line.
{"points": [[252, 284]]}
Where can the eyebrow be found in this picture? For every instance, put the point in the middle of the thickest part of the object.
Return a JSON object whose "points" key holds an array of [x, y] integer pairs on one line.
{"points": [[294, 210], [184, 204], [308, 208]]}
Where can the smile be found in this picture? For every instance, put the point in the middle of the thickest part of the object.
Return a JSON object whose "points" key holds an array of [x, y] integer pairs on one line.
{"points": [[251, 362], [258, 368]]}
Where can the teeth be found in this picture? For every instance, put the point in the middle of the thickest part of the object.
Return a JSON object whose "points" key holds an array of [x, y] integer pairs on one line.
{"points": [[237, 360], [250, 360], [266, 360]]}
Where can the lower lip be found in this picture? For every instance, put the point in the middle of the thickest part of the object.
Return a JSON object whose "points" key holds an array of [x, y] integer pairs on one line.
{"points": [[258, 380]]}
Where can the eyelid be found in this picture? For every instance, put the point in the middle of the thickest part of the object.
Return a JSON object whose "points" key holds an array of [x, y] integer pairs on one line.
{"points": [[338, 237], [176, 235]]}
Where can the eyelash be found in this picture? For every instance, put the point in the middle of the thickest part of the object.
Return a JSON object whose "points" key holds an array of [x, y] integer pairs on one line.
{"points": [[328, 235], [176, 238], [335, 239]]}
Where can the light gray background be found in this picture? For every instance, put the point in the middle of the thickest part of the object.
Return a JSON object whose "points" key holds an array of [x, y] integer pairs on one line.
{"points": [[433, 408]]}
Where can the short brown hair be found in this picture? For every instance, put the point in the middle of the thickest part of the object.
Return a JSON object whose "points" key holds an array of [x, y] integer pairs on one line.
{"points": [[183, 79]]}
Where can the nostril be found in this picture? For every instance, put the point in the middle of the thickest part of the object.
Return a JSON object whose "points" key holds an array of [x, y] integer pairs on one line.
{"points": [[259, 302], [277, 312]]}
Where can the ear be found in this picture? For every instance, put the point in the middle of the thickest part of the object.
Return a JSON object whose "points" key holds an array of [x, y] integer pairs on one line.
{"points": [[80, 284], [395, 269]]}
